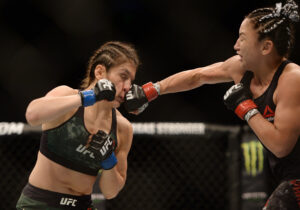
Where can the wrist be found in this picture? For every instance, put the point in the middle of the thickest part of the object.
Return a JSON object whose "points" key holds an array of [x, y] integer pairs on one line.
{"points": [[151, 90], [244, 107], [157, 87], [250, 114], [109, 162], [88, 97]]}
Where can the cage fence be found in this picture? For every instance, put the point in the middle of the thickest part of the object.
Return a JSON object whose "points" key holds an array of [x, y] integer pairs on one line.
{"points": [[171, 166]]}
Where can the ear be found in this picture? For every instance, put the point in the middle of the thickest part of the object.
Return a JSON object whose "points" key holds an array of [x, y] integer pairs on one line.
{"points": [[267, 47], [100, 72]]}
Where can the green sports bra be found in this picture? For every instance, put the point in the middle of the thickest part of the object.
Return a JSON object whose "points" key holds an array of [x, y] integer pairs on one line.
{"points": [[65, 144]]}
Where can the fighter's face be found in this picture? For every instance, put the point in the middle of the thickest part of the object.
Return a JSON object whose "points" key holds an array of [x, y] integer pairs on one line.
{"points": [[122, 77], [247, 45]]}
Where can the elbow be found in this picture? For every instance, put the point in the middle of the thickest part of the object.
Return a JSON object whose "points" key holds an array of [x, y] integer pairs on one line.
{"points": [[110, 196], [197, 78], [193, 80], [112, 191], [32, 117], [281, 152]]}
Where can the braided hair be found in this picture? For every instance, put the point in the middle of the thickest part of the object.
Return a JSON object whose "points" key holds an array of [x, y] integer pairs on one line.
{"points": [[277, 24], [110, 54]]}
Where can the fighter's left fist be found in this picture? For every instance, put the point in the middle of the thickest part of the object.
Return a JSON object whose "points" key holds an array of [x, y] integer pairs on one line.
{"points": [[238, 98]]}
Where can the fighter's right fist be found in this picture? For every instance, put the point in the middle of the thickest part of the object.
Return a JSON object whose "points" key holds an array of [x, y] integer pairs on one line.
{"points": [[138, 97], [103, 90]]}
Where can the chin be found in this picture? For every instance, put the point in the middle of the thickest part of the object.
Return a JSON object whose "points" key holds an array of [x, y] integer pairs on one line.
{"points": [[116, 104]]}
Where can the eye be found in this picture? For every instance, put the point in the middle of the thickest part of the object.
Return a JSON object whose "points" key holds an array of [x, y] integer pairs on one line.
{"points": [[124, 76], [242, 38]]}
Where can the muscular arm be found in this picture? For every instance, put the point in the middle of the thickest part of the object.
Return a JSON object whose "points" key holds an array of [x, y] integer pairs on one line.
{"points": [[138, 97], [281, 137], [112, 181], [55, 104], [226, 71]]}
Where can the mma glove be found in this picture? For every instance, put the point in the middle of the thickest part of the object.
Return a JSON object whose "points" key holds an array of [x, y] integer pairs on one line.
{"points": [[103, 147], [103, 90], [238, 98], [138, 97]]}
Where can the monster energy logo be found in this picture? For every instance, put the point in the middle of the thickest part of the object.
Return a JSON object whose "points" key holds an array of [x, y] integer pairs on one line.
{"points": [[253, 157]]}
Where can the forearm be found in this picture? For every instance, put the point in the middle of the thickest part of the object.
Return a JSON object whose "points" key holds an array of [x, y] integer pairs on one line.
{"points": [[48, 108], [278, 143], [190, 79], [182, 81], [111, 183]]}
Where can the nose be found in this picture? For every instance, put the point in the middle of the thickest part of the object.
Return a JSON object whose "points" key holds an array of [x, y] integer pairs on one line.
{"points": [[127, 85], [236, 46]]}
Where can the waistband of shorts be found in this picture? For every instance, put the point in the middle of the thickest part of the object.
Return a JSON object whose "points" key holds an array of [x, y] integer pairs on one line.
{"points": [[56, 199]]}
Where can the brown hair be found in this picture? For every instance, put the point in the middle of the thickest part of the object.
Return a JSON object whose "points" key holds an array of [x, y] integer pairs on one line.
{"points": [[276, 23], [110, 54]]}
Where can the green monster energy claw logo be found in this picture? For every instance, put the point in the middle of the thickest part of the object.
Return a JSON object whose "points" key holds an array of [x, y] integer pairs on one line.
{"points": [[253, 157]]}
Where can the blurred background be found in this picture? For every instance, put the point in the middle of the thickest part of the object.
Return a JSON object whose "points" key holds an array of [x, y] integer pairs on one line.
{"points": [[46, 43]]}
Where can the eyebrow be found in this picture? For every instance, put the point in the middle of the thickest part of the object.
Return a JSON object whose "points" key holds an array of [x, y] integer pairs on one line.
{"points": [[128, 72]]}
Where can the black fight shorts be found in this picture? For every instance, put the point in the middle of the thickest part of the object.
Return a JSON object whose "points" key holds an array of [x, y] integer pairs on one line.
{"points": [[36, 198], [285, 197]]}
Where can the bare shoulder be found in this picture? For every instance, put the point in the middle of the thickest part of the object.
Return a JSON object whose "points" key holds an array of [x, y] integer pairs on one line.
{"points": [[125, 129], [289, 82], [62, 90], [234, 67], [291, 75]]}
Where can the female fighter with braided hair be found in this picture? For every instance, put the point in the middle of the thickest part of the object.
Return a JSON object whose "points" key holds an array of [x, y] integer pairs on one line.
{"points": [[83, 135], [266, 92]]}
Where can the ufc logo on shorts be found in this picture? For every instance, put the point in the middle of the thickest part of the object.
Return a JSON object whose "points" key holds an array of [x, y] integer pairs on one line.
{"points": [[104, 148], [68, 202]]}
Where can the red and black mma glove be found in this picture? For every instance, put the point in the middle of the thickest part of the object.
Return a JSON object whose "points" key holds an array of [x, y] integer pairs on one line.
{"points": [[138, 97], [103, 90], [238, 98]]}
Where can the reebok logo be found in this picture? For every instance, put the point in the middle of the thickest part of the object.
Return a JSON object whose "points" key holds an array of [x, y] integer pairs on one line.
{"points": [[68, 202], [269, 113]]}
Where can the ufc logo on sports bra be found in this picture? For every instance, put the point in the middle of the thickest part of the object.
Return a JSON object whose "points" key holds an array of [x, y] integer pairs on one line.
{"points": [[83, 150], [68, 202]]}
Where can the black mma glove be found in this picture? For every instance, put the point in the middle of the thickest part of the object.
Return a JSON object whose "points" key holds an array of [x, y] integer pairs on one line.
{"points": [[138, 97], [103, 90], [103, 147], [238, 98]]}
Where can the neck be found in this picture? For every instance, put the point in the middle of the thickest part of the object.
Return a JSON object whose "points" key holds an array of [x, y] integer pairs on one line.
{"points": [[99, 111], [265, 71]]}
